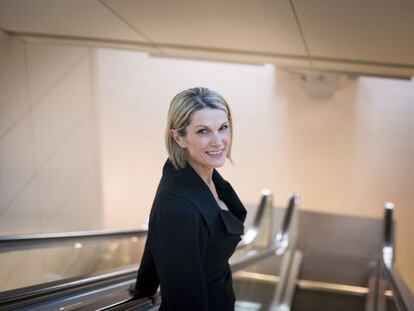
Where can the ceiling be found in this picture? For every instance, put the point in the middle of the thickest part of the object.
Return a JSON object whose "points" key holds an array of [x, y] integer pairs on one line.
{"points": [[374, 37]]}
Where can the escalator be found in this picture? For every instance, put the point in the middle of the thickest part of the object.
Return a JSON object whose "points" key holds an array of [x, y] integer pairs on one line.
{"points": [[94, 264], [344, 263], [276, 267], [99, 266]]}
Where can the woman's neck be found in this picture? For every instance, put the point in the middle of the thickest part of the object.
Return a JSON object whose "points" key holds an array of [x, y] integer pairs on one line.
{"points": [[206, 173]]}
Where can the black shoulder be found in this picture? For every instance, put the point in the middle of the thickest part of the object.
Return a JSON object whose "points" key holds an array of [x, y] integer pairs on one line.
{"points": [[175, 205]]}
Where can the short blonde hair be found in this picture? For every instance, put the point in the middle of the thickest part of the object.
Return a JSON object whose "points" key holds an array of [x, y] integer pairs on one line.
{"points": [[182, 106]]}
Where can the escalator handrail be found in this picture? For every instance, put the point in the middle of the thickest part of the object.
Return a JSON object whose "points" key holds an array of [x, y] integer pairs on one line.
{"points": [[287, 219], [46, 238], [403, 296], [45, 289], [251, 234], [282, 240], [388, 249], [280, 243]]}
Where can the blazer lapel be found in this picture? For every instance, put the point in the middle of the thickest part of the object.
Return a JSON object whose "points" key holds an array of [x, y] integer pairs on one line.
{"points": [[229, 196], [187, 183]]}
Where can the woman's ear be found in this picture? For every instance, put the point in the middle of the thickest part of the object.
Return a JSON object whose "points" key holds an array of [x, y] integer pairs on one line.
{"points": [[178, 138]]}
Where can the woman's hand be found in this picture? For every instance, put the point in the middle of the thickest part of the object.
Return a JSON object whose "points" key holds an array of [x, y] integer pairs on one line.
{"points": [[134, 293], [137, 295]]}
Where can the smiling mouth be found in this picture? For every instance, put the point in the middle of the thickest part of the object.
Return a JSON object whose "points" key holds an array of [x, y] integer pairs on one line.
{"points": [[216, 154]]}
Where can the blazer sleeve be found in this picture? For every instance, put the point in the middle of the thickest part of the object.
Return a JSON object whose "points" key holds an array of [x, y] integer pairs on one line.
{"points": [[147, 277], [179, 238]]}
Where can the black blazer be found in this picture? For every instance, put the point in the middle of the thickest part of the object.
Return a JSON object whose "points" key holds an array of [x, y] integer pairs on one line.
{"points": [[190, 239]]}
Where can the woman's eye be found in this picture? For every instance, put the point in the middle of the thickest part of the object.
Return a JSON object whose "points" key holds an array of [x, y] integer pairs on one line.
{"points": [[202, 131], [224, 127]]}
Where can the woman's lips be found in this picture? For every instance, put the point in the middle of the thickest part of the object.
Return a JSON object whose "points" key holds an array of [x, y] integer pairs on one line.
{"points": [[216, 154]]}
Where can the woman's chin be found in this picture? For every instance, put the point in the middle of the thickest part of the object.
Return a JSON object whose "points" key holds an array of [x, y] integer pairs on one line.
{"points": [[218, 162], [209, 161]]}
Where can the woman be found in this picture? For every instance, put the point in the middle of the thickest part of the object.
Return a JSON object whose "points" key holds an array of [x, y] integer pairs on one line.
{"points": [[196, 219]]}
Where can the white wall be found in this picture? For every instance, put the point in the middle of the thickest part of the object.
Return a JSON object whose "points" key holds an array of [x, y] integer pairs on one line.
{"points": [[48, 151], [347, 154]]}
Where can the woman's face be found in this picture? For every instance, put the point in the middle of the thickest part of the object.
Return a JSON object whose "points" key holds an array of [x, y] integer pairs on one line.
{"points": [[207, 139]]}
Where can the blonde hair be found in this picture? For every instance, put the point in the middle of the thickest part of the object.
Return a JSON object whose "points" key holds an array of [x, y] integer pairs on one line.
{"points": [[182, 106]]}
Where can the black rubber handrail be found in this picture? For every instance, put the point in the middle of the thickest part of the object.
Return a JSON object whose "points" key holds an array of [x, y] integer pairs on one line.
{"points": [[287, 219], [402, 295], [253, 231], [50, 288], [388, 249], [120, 302]]}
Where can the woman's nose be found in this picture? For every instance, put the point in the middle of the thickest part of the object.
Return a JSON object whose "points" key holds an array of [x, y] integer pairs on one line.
{"points": [[215, 139]]}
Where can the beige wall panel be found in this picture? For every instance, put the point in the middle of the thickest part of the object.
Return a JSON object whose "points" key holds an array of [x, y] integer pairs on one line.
{"points": [[22, 215], [61, 110], [65, 17], [16, 161], [81, 211], [60, 178], [58, 132], [312, 145], [13, 86], [48, 65], [132, 149], [265, 25], [368, 30]]}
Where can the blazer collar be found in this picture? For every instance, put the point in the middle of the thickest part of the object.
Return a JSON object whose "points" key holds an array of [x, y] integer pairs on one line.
{"points": [[187, 183]]}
